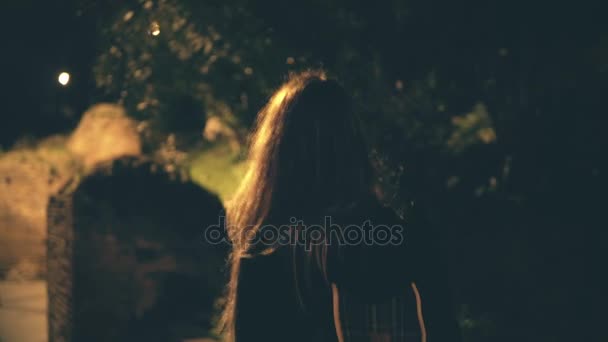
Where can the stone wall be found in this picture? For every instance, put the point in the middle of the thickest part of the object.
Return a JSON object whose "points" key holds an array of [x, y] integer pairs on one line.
{"points": [[27, 178], [126, 256]]}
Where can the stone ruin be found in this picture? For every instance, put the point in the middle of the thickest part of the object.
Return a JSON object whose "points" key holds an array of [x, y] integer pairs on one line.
{"points": [[104, 133], [126, 257], [29, 175]]}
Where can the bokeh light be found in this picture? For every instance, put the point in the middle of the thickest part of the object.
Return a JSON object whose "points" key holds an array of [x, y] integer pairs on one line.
{"points": [[154, 29], [64, 78]]}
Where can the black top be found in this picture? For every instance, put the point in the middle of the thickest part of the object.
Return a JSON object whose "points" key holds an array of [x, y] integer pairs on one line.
{"points": [[285, 295]]}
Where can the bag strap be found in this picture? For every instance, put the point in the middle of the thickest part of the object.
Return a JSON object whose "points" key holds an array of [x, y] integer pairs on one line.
{"points": [[419, 312], [338, 323], [335, 294]]}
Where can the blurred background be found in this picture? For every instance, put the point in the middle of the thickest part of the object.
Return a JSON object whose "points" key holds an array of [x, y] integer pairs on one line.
{"points": [[489, 114]]}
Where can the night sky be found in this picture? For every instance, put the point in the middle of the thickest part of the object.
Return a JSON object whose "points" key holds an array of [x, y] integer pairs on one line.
{"points": [[45, 39]]}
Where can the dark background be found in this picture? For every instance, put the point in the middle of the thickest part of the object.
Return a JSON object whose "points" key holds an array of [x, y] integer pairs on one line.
{"points": [[515, 189]]}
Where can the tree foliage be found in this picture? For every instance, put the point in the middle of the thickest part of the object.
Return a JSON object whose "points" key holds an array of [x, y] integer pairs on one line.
{"points": [[475, 111]]}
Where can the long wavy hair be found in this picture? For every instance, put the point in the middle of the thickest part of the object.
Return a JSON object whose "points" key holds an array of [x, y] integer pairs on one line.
{"points": [[307, 154]]}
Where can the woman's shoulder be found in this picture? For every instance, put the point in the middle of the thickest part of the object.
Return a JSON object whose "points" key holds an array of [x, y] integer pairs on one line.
{"points": [[365, 209]]}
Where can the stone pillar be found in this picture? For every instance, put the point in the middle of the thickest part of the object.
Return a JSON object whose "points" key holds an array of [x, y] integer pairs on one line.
{"points": [[127, 260]]}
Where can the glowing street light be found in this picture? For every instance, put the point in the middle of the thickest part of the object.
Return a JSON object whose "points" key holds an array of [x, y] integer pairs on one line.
{"points": [[64, 78]]}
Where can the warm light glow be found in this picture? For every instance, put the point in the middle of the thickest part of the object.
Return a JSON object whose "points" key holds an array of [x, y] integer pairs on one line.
{"points": [[128, 16], [64, 78], [154, 29]]}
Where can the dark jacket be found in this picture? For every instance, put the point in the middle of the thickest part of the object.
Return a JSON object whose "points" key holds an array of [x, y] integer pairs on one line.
{"points": [[286, 294]]}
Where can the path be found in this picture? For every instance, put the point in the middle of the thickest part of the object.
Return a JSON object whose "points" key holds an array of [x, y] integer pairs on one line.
{"points": [[23, 311]]}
